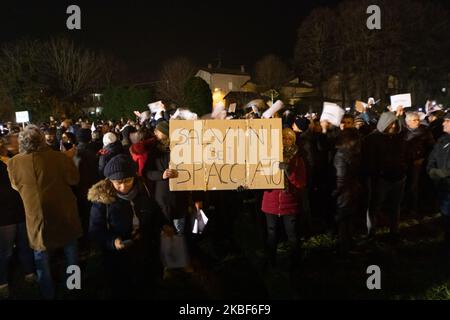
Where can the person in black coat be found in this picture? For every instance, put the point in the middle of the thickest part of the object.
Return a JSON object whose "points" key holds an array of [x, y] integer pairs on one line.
{"points": [[120, 222], [347, 163], [13, 232], [439, 170], [385, 164], [87, 163], [173, 205], [435, 120], [419, 143]]}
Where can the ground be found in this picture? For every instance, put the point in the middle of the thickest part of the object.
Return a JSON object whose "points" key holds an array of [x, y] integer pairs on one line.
{"points": [[415, 268]]}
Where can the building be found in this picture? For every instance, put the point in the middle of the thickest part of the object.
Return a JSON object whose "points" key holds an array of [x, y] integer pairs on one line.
{"points": [[223, 80]]}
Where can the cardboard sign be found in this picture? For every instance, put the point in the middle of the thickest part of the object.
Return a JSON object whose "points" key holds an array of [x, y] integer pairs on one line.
{"points": [[22, 117], [226, 154], [332, 113], [400, 100]]}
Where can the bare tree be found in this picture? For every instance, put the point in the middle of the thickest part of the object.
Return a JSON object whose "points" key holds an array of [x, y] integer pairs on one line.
{"points": [[315, 48], [174, 76], [271, 72], [71, 71]]}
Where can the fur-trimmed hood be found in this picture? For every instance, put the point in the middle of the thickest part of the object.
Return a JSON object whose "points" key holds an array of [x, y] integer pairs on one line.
{"points": [[102, 192]]}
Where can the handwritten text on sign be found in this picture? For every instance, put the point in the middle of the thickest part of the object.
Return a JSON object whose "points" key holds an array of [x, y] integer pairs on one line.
{"points": [[226, 154]]}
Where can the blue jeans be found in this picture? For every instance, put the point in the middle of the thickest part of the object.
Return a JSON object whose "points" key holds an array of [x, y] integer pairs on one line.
{"points": [[43, 271], [10, 235]]}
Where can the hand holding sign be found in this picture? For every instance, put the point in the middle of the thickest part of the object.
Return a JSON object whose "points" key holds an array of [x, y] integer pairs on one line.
{"points": [[170, 173]]}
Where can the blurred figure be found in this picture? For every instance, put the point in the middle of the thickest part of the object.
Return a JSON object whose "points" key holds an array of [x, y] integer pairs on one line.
{"points": [[419, 141], [439, 170], [347, 163], [50, 139], [13, 233], [347, 122], [283, 205], [44, 178], [111, 148], [385, 163]]}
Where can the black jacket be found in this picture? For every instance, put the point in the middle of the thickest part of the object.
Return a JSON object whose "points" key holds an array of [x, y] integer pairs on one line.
{"points": [[419, 142], [11, 205], [436, 128], [112, 217], [440, 160], [87, 163], [347, 163], [316, 150], [173, 204], [385, 156]]}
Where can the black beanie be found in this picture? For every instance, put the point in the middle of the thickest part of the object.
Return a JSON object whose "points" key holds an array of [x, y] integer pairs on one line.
{"points": [[120, 167], [84, 135]]}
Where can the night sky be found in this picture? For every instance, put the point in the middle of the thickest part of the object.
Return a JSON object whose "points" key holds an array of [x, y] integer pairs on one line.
{"points": [[143, 34]]}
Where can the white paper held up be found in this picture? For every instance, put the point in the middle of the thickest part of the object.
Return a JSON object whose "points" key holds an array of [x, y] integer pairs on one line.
{"points": [[200, 221], [332, 113], [277, 106], [400, 100]]}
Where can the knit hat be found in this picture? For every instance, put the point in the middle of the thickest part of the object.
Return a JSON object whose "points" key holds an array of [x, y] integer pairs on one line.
{"points": [[385, 120], [163, 127], [120, 167], [84, 135], [109, 138]]}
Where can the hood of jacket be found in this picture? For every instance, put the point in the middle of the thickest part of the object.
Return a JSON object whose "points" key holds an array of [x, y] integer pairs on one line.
{"points": [[102, 192], [385, 120]]}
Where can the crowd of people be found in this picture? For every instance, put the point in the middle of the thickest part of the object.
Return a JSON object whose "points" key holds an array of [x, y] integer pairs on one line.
{"points": [[74, 186]]}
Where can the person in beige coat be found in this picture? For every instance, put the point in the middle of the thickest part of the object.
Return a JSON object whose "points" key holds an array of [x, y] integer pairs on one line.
{"points": [[43, 178]]}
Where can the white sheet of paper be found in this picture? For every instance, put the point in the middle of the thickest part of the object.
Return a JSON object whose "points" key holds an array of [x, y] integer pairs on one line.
{"points": [[400, 100], [156, 106], [22, 117], [332, 113], [277, 106], [200, 215], [93, 127], [232, 108]]}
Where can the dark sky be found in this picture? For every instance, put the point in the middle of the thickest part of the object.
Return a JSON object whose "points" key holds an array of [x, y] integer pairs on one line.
{"points": [[145, 33]]}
